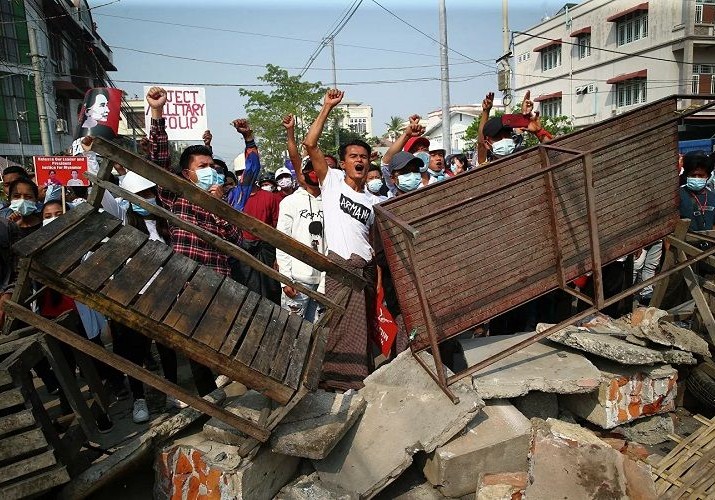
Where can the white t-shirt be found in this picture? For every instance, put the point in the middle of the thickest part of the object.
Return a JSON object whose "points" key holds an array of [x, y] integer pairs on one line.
{"points": [[348, 217]]}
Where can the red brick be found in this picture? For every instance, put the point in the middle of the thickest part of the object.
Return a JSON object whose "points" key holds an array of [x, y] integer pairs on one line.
{"points": [[515, 479], [183, 465], [198, 460], [193, 491], [177, 492]]}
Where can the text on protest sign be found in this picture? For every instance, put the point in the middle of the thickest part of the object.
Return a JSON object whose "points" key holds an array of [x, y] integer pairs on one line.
{"points": [[60, 170], [184, 113]]}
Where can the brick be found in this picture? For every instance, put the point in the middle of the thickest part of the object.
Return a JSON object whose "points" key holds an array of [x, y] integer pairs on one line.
{"points": [[502, 486], [183, 464]]}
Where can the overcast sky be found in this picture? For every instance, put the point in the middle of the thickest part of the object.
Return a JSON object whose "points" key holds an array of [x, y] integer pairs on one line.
{"points": [[287, 32]]}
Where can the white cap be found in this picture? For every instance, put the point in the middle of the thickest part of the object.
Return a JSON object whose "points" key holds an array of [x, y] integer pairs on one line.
{"points": [[283, 171], [135, 183], [239, 163]]}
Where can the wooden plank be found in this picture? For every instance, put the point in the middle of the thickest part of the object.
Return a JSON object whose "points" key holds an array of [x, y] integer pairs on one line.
{"points": [[193, 301], [11, 398], [35, 484], [48, 233], [660, 288], [188, 190], [701, 302], [240, 324], [297, 361], [97, 193], [274, 332], [22, 443], [26, 467], [255, 332], [61, 255], [129, 281], [16, 421], [285, 349], [109, 257], [216, 323], [163, 291]]}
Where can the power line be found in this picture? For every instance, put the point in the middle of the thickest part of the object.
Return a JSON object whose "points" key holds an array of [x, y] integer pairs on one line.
{"points": [[60, 15]]}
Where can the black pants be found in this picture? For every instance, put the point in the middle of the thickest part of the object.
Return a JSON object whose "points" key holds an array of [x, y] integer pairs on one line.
{"points": [[252, 279]]}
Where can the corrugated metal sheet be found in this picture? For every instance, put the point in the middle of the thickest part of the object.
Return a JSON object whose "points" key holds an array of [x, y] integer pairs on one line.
{"points": [[486, 243]]}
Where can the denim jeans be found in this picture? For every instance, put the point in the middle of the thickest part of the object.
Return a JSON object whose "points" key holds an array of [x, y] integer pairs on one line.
{"points": [[301, 304]]}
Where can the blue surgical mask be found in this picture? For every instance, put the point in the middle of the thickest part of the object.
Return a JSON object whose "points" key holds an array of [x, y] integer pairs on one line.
{"points": [[220, 179], [425, 160], [504, 147], [141, 211], [437, 175], [23, 207], [408, 182], [693, 184], [453, 168], [206, 177], [374, 186]]}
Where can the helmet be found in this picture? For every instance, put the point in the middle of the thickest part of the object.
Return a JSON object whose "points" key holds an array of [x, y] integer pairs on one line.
{"points": [[267, 177]]}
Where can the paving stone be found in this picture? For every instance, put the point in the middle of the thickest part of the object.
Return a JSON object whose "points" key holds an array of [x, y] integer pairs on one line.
{"points": [[648, 430], [570, 462], [406, 412], [625, 394], [312, 488], [317, 423], [497, 440], [538, 367], [502, 486], [537, 404]]}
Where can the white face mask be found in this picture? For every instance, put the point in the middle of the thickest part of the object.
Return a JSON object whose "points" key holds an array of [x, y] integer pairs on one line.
{"points": [[268, 188], [504, 147], [47, 221], [285, 182], [374, 186]]}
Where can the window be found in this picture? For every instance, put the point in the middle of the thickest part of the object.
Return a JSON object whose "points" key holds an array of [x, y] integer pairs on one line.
{"points": [[358, 125], [551, 107], [584, 45], [523, 57], [632, 27], [698, 13], [631, 92], [695, 84], [17, 97], [551, 57], [14, 42]]}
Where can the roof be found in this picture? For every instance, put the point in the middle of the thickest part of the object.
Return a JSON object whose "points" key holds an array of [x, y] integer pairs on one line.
{"points": [[637, 8], [628, 76]]}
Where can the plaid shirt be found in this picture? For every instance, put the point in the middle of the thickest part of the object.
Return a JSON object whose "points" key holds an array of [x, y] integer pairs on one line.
{"points": [[185, 242]]}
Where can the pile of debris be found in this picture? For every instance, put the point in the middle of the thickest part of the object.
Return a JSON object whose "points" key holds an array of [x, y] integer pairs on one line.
{"points": [[515, 430]]}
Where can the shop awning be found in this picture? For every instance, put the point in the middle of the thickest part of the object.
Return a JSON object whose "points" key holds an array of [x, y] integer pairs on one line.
{"points": [[546, 97], [550, 43], [628, 76], [640, 7]]}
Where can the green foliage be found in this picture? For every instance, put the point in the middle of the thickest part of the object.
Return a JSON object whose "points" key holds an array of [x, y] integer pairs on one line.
{"points": [[471, 135], [395, 127], [556, 125]]}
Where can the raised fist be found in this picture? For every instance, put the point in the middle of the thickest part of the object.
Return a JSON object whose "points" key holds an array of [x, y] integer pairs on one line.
{"points": [[288, 122], [333, 97], [242, 127], [207, 137], [414, 129], [156, 97], [527, 105], [415, 118], [488, 102]]}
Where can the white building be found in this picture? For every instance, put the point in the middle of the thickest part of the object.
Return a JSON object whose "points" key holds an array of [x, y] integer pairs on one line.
{"points": [[599, 58], [357, 117], [131, 120], [461, 117]]}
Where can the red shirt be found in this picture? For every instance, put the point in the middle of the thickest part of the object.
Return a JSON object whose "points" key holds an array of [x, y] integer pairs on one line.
{"points": [[263, 206]]}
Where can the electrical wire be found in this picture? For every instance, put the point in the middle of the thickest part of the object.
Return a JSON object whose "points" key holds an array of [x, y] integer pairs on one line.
{"points": [[60, 15]]}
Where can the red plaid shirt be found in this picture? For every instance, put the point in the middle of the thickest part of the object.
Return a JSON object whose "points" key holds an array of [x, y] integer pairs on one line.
{"points": [[185, 242]]}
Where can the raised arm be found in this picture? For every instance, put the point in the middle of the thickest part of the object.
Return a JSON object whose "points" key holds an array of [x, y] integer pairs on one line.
{"points": [[481, 145], [158, 139], [295, 159], [413, 129], [320, 167], [253, 162]]}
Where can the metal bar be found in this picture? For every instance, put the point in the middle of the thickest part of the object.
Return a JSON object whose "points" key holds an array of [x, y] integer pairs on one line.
{"points": [[34, 295], [550, 191], [397, 221], [581, 296], [64, 335], [593, 230], [432, 374], [220, 244]]}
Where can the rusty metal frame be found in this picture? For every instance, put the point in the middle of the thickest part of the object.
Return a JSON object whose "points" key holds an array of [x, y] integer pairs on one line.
{"points": [[598, 302]]}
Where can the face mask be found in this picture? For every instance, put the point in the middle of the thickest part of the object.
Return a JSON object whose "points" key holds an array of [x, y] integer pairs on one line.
{"points": [[504, 147], [425, 161], [220, 179], [409, 182], [437, 175], [206, 177], [693, 184], [141, 211], [285, 182], [268, 188], [374, 186], [23, 207], [47, 221], [453, 167]]}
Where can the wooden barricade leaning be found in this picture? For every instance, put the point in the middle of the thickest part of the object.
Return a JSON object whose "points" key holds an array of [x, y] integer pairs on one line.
{"points": [[186, 306], [470, 248]]}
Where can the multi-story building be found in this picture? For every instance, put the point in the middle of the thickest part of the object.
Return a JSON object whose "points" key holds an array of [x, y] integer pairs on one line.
{"points": [[599, 58], [131, 119], [460, 117], [73, 58], [357, 117]]}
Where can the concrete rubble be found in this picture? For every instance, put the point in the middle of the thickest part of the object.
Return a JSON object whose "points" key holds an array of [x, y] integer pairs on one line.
{"points": [[406, 413], [502, 486], [312, 488], [538, 404], [250, 405], [538, 367], [651, 430], [647, 323], [497, 440], [568, 461], [625, 394]]}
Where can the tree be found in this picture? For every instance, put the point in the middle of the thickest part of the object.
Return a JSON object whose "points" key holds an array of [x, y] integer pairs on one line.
{"points": [[471, 134], [288, 94], [394, 127], [556, 125]]}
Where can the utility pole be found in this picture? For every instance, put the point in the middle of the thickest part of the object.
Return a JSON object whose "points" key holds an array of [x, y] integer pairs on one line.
{"points": [[40, 94], [505, 25], [444, 63], [335, 86]]}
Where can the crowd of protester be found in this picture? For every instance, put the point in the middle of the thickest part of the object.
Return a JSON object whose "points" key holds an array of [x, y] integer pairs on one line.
{"points": [[322, 201]]}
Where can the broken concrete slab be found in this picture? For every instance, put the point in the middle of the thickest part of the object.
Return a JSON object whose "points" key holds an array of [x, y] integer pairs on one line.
{"points": [[312, 488], [250, 405], [568, 461], [651, 430], [497, 440], [317, 423], [538, 367], [625, 394], [647, 323], [502, 486], [406, 412], [537, 404]]}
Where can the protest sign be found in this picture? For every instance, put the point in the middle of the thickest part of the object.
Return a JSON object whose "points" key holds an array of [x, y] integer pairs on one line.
{"points": [[60, 170], [99, 116], [184, 112]]}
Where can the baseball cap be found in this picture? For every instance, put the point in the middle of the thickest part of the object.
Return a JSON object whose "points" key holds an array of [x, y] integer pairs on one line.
{"points": [[402, 159], [494, 127], [283, 171], [415, 142]]}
